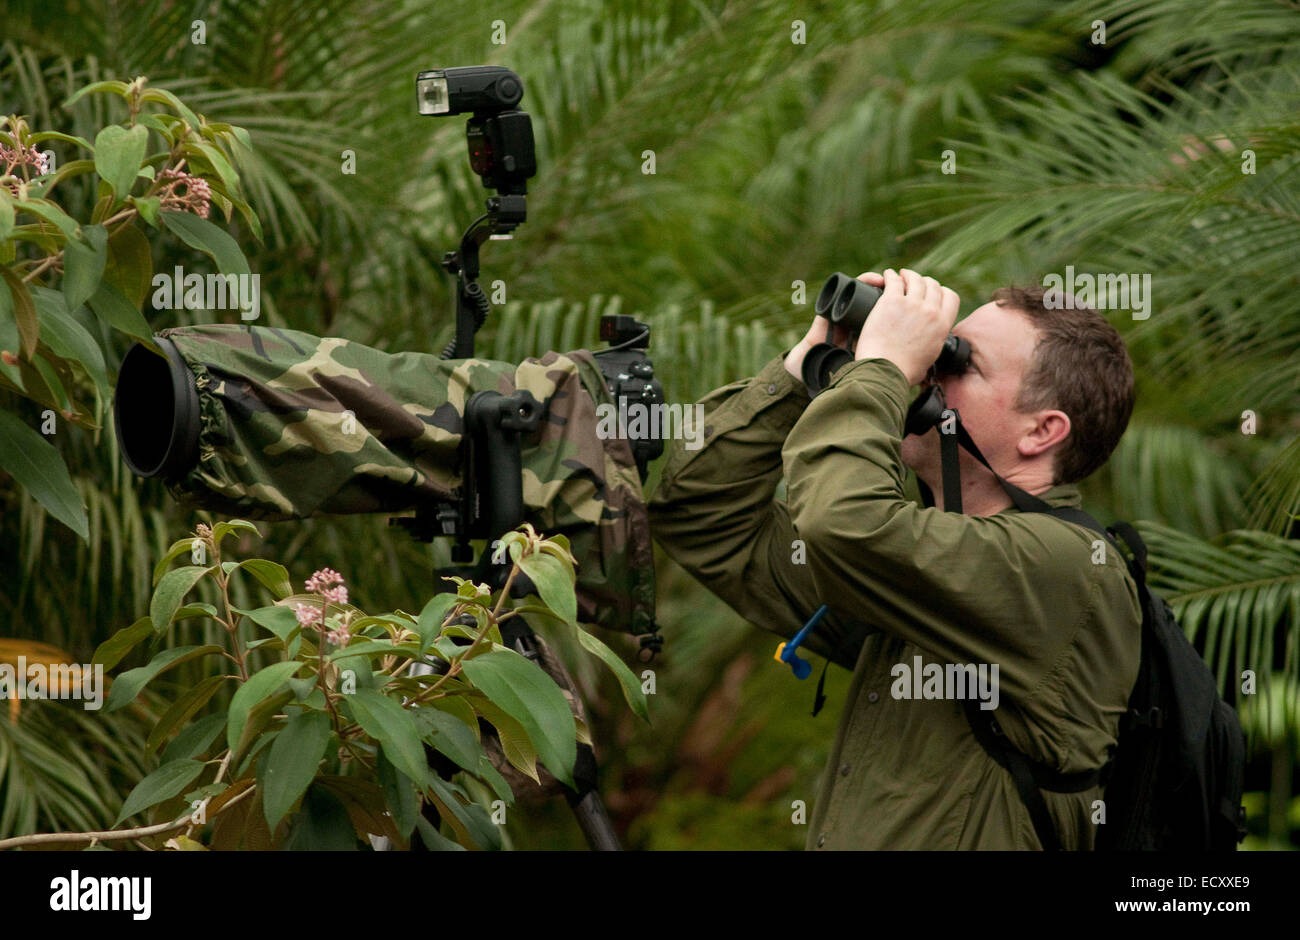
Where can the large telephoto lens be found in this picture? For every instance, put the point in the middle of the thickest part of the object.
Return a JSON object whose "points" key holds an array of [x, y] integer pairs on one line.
{"points": [[156, 411]]}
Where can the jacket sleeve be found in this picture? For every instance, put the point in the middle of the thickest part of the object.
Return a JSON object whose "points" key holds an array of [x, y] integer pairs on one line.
{"points": [[988, 589], [715, 513]]}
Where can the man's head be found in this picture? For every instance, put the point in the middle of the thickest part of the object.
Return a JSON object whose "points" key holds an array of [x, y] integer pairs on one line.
{"points": [[1047, 397]]}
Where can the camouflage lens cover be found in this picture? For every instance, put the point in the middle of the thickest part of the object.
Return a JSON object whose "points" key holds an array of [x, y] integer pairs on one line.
{"points": [[293, 425]]}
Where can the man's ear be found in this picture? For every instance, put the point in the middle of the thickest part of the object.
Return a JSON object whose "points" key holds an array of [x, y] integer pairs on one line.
{"points": [[1051, 427]]}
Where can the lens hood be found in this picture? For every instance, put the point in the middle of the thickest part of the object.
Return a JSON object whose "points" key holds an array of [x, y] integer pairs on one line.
{"points": [[156, 411]]}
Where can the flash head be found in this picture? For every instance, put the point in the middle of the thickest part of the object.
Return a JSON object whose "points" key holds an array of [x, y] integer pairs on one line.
{"points": [[474, 88], [499, 134]]}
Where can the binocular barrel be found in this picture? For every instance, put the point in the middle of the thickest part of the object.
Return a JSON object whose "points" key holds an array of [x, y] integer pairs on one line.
{"points": [[156, 411], [846, 301]]}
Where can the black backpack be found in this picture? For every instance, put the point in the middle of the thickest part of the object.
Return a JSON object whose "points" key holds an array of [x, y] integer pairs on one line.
{"points": [[1176, 777]]}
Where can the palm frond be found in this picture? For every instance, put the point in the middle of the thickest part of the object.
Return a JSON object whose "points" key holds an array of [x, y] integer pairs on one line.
{"points": [[1238, 599]]}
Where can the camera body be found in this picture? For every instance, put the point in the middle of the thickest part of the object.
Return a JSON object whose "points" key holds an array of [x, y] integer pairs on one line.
{"points": [[630, 378], [846, 302]]}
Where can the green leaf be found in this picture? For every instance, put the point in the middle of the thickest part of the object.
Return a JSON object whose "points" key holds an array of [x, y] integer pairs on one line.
{"points": [[68, 338], [167, 781], [119, 151], [459, 707], [303, 688], [6, 214], [258, 687], [10, 343], [554, 584], [17, 300], [68, 170], [196, 739], [178, 548], [148, 207], [321, 825], [48, 374], [83, 264], [51, 212], [292, 763], [111, 306], [533, 699], [429, 624], [274, 577], [130, 264], [114, 86], [500, 787], [128, 685], [222, 529], [162, 95], [471, 821], [215, 242], [254, 738], [42, 136], [154, 123], [220, 165], [183, 709], [626, 678], [37, 467], [448, 735], [374, 648], [519, 751], [281, 621], [434, 840], [170, 592], [399, 794], [393, 727], [114, 649], [195, 610]]}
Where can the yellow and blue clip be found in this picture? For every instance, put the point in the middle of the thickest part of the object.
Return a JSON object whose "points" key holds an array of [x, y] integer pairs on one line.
{"points": [[788, 652]]}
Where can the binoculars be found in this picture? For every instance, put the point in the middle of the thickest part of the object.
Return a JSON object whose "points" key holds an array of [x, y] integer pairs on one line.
{"points": [[845, 301]]}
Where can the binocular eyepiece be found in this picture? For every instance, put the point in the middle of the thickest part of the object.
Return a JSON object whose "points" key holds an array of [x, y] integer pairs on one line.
{"points": [[845, 301]]}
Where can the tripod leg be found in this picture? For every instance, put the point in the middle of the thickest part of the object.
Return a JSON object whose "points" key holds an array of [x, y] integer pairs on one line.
{"points": [[590, 813], [588, 807]]}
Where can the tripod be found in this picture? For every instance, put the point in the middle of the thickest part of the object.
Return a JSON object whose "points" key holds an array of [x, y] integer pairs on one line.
{"points": [[491, 501]]}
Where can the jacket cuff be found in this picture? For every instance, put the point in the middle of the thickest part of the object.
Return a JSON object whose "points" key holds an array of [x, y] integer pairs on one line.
{"points": [[884, 381], [773, 387]]}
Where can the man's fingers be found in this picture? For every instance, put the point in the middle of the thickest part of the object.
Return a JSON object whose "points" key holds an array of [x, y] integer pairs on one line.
{"points": [[893, 281], [872, 278], [913, 283], [951, 304]]}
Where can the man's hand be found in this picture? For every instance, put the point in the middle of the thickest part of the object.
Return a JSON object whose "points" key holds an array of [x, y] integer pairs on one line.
{"points": [[817, 333], [909, 323]]}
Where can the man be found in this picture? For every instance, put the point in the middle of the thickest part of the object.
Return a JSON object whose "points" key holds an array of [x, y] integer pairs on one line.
{"points": [[1046, 399]]}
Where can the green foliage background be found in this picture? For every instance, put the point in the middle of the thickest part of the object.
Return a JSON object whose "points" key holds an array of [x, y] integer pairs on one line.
{"points": [[776, 161]]}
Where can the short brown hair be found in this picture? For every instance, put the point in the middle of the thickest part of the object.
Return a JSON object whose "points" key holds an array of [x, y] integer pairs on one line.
{"points": [[1081, 367]]}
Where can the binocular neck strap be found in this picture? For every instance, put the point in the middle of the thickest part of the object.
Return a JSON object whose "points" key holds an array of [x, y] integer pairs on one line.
{"points": [[950, 467]]}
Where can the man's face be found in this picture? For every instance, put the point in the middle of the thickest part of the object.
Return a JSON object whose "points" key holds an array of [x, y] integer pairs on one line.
{"points": [[1002, 344]]}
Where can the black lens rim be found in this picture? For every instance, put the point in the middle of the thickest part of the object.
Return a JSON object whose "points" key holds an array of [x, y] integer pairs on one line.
{"points": [[182, 447]]}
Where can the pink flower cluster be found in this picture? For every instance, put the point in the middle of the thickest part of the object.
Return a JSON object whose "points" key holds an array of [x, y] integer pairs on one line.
{"points": [[25, 156], [197, 197], [306, 614], [328, 583]]}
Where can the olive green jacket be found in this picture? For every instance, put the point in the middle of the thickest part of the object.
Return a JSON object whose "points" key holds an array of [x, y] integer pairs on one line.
{"points": [[1042, 599]]}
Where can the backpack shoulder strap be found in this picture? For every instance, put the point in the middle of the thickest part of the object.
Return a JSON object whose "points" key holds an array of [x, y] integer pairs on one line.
{"points": [[1030, 777]]}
